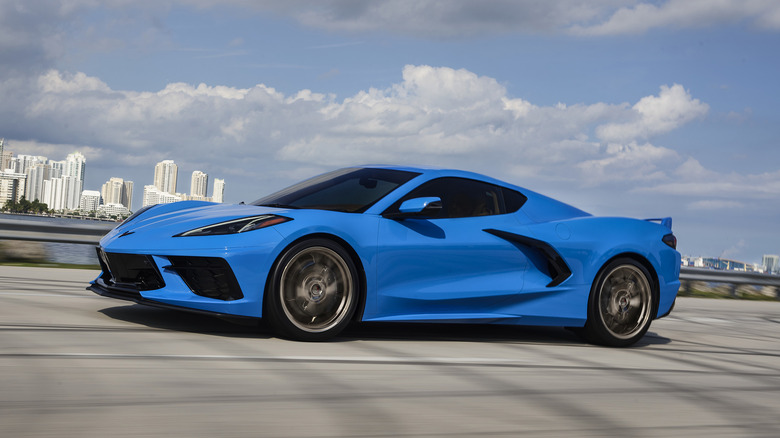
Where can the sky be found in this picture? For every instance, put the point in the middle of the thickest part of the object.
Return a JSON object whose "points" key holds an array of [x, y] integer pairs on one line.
{"points": [[619, 107]]}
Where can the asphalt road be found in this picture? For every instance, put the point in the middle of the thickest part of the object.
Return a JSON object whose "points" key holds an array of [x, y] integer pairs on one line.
{"points": [[73, 364]]}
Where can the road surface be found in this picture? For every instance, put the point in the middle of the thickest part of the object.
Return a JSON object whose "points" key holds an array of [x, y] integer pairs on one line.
{"points": [[73, 364]]}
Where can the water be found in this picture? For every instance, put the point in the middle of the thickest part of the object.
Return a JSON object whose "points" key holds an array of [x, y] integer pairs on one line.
{"points": [[62, 252], [71, 253]]}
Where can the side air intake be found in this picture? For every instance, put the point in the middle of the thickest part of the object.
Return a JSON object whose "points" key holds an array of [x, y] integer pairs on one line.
{"points": [[559, 270]]}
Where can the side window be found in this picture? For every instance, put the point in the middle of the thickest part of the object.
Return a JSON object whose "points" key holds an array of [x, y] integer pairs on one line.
{"points": [[513, 200], [460, 197]]}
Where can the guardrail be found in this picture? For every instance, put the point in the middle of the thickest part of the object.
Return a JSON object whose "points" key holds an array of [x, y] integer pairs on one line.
{"points": [[40, 231], [732, 278]]}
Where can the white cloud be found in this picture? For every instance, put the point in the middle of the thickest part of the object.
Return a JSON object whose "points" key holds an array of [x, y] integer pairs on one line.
{"points": [[429, 18], [38, 35], [628, 163], [715, 204], [692, 170], [734, 250], [433, 115], [55, 83], [52, 151], [654, 115], [695, 182], [35, 35], [459, 18], [643, 16]]}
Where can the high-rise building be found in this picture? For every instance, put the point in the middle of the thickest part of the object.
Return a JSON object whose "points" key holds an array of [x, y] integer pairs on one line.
{"points": [[219, 190], [22, 163], [62, 193], [49, 192], [112, 190], [71, 192], [57, 168], [118, 191], [73, 180], [165, 173], [127, 196], [75, 165], [771, 263], [36, 175], [199, 185], [5, 156], [90, 200], [152, 196], [11, 186], [56, 192]]}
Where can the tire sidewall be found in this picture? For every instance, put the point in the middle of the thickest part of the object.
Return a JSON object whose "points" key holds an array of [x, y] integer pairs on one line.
{"points": [[273, 307]]}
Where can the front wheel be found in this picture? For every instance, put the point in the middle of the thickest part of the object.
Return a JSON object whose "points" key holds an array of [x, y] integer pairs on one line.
{"points": [[314, 291], [621, 304]]}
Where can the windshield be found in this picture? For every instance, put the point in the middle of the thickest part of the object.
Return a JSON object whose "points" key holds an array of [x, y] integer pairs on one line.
{"points": [[350, 190]]}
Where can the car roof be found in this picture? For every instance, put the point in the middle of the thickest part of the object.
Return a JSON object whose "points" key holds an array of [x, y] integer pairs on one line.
{"points": [[539, 208], [433, 171]]}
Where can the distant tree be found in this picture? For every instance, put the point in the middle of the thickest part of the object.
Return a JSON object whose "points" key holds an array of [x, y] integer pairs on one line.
{"points": [[38, 207], [25, 206]]}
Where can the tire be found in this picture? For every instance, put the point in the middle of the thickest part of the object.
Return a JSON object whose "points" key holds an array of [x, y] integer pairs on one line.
{"points": [[621, 304], [314, 291]]}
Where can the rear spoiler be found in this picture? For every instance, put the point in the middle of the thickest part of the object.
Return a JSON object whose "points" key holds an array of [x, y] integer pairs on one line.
{"points": [[665, 221]]}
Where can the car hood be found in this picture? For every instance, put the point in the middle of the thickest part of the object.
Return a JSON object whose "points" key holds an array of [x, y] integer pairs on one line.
{"points": [[166, 220]]}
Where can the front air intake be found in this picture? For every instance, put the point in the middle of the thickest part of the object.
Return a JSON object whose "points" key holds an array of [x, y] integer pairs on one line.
{"points": [[209, 277], [130, 271]]}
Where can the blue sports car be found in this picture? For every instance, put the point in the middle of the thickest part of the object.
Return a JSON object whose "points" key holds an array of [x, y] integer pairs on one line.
{"points": [[382, 243]]}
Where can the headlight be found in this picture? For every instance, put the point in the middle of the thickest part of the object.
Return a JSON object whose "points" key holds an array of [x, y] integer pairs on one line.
{"points": [[237, 226]]}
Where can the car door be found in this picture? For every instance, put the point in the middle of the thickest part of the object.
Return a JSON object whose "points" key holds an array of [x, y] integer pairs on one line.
{"points": [[445, 265]]}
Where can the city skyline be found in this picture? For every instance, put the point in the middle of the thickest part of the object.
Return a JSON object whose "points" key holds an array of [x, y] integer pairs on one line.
{"points": [[60, 184], [163, 189]]}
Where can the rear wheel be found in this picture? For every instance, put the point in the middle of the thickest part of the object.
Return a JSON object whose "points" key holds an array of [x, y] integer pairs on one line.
{"points": [[314, 290], [621, 304]]}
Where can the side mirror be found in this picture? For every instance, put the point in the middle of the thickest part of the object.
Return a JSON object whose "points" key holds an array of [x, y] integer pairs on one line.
{"points": [[417, 207]]}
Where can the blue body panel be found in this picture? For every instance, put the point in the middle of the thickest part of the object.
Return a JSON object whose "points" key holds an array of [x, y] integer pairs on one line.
{"points": [[414, 269]]}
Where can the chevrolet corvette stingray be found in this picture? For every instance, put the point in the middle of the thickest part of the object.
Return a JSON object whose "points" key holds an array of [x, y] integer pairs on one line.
{"points": [[382, 243]]}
